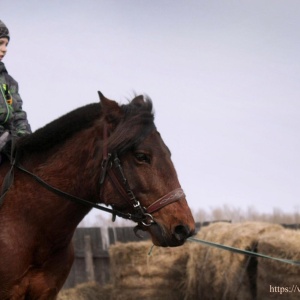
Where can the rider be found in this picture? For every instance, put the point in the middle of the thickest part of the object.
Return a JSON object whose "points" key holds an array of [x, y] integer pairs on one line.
{"points": [[13, 120]]}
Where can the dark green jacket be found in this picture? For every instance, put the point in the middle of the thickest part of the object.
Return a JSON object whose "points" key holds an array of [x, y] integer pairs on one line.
{"points": [[12, 117]]}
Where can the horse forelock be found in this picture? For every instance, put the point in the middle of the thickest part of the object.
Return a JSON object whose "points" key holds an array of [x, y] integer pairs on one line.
{"points": [[136, 124]]}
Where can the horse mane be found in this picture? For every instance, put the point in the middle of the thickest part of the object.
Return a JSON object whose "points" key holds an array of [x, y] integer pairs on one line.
{"points": [[60, 129], [136, 123]]}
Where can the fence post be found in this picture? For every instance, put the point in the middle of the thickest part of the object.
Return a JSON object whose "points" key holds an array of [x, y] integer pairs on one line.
{"points": [[88, 257]]}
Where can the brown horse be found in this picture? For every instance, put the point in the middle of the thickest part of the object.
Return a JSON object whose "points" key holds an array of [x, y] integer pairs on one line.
{"points": [[101, 153]]}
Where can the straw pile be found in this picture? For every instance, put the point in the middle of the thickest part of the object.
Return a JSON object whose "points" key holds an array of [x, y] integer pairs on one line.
{"points": [[218, 274], [137, 275], [86, 291], [277, 280]]}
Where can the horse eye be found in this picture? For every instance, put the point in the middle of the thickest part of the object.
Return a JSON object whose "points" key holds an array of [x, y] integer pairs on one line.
{"points": [[142, 157]]}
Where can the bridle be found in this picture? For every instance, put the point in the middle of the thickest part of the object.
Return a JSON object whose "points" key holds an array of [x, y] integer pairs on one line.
{"points": [[141, 214], [110, 167]]}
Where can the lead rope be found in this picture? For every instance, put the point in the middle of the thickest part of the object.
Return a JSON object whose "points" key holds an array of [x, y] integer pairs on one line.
{"points": [[237, 250], [245, 252]]}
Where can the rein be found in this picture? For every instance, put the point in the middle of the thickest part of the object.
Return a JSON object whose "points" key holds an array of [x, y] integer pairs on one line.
{"points": [[141, 215], [78, 200]]}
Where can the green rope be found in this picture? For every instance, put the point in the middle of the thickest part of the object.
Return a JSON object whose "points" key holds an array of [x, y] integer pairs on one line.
{"points": [[150, 251], [246, 252]]}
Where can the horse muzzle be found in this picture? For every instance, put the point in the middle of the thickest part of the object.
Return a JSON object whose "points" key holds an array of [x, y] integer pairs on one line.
{"points": [[176, 237]]}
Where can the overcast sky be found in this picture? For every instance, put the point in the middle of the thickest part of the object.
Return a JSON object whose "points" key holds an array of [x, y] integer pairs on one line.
{"points": [[223, 76]]}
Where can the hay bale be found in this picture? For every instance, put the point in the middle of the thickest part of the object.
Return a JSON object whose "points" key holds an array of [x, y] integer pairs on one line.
{"points": [[86, 291], [143, 294], [277, 280], [137, 275], [214, 273]]}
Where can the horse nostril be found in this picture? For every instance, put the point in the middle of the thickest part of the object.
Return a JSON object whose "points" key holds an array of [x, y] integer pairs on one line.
{"points": [[182, 232]]}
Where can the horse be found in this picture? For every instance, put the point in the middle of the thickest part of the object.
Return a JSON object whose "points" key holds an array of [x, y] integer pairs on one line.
{"points": [[103, 155]]}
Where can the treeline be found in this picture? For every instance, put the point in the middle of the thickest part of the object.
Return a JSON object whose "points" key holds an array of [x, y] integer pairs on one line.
{"points": [[235, 215], [226, 212]]}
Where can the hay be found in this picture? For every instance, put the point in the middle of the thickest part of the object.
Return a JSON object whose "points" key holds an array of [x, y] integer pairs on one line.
{"points": [[277, 280], [137, 275], [195, 271], [217, 274], [86, 291]]}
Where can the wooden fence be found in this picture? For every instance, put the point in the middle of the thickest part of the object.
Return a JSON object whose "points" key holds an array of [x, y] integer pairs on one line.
{"points": [[91, 253]]}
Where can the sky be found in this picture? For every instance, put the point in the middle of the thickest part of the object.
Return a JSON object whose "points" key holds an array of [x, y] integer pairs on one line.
{"points": [[223, 77]]}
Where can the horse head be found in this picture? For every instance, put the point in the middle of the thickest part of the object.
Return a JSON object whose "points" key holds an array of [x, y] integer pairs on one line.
{"points": [[139, 177]]}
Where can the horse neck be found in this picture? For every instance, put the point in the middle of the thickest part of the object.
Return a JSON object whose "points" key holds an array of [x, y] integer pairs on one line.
{"points": [[72, 168], [76, 164]]}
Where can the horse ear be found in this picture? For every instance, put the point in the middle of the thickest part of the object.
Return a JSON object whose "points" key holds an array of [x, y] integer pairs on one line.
{"points": [[138, 100], [111, 110]]}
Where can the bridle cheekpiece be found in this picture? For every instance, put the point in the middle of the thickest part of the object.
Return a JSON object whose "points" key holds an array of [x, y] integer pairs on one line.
{"points": [[111, 167]]}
